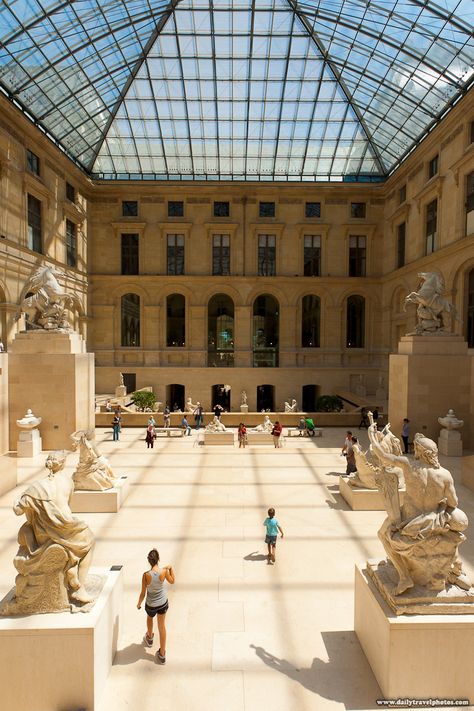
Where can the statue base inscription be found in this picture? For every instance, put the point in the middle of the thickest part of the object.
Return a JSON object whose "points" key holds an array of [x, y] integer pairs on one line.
{"points": [[363, 499], [109, 501], [419, 656], [71, 655]]}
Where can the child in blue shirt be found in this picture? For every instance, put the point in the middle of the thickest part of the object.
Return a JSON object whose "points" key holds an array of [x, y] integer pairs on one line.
{"points": [[272, 527]]}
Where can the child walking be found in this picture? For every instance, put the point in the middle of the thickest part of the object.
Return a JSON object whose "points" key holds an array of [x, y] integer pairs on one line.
{"points": [[156, 603], [272, 527]]}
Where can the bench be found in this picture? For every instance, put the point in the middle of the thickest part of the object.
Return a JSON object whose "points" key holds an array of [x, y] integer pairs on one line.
{"points": [[295, 432], [169, 431]]}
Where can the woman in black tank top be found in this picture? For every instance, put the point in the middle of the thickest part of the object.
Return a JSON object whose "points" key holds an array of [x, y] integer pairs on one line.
{"points": [[165, 573]]}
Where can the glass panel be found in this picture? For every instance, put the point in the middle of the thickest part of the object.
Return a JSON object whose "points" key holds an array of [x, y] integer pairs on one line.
{"points": [[221, 255], [130, 320], [266, 255], [355, 331], [175, 321], [265, 332], [312, 255], [175, 254], [310, 321], [35, 239], [357, 255], [129, 254], [220, 331], [71, 243]]}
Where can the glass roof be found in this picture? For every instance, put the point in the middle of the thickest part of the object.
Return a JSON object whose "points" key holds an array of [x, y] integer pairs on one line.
{"points": [[236, 89]]}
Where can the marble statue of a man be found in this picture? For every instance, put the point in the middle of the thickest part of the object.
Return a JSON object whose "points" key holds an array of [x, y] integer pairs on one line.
{"points": [[243, 398], [55, 547], [421, 538]]}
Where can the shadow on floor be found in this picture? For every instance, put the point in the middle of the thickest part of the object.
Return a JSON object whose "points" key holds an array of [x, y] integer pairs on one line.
{"points": [[340, 504], [255, 556], [345, 678], [133, 653]]}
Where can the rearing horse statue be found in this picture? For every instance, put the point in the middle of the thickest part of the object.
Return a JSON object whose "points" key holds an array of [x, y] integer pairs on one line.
{"points": [[44, 301], [431, 305]]}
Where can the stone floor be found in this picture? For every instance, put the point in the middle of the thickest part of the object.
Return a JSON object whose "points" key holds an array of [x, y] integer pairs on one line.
{"points": [[242, 635]]}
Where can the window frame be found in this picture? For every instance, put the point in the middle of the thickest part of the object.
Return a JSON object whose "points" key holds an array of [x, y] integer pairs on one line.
{"points": [[219, 257], [179, 212], [262, 265], [36, 230], [318, 257], [129, 211], [71, 243], [130, 252], [357, 260], [172, 253]]}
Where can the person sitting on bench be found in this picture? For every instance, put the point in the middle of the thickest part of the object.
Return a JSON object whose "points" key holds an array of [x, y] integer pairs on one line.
{"points": [[310, 427]]}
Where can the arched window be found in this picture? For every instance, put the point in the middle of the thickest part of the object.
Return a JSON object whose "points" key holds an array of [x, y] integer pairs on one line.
{"points": [[265, 331], [310, 321], [175, 320], [130, 320], [355, 330], [470, 309], [220, 331]]}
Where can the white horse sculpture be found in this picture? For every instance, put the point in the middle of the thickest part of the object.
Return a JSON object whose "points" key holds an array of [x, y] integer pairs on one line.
{"points": [[431, 304], [44, 301]]}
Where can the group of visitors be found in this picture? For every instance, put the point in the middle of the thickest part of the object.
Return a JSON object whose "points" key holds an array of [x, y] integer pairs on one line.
{"points": [[306, 426]]}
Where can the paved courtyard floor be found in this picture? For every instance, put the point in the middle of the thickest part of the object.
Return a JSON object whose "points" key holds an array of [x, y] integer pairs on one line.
{"points": [[242, 635]]}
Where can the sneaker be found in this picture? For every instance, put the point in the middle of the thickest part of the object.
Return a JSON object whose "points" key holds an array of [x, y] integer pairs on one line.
{"points": [[159, 658], [148, 641]]}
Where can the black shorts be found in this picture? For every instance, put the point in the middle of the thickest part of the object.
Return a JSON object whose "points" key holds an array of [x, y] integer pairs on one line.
{"points": [[152, 611]]}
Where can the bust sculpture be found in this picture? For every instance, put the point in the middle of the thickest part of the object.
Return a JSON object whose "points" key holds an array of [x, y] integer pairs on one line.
{"points": [[55, 547], [431, 306], [422, 536], [46, 305], [93, 472]]}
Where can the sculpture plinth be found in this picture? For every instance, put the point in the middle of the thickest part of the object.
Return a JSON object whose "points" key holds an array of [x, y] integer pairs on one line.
{"points": [[51, 372], [427, 375]]}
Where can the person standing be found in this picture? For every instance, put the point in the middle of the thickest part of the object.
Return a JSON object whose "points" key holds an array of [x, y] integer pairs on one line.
{"points": [[167, 416], [156, 603], [150, 436], [218, 410], [116, 428], [186, 426], [198, 413], [350, 457], [272, 526], [118, 415], [276, 432], [364, 420], [405, 433], [242, 435]]}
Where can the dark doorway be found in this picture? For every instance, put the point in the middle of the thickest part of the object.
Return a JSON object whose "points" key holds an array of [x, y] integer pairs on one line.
{"points": [[265, 398], [130, 382], [310, 395], [221, 396], [175, 396]]}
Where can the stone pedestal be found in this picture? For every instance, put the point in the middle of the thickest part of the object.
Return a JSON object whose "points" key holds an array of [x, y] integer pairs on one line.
{"points": [[414, 656], [244, 409], [8, 473], [109, 501], [450, 443], [120, 391], [68, 658], [51, 373], [467, 471], [218, 438], [364, 499], [259, 438], [427, 375], [29, 443]]}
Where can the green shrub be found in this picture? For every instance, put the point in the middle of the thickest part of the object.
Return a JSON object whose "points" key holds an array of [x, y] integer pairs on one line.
{"points": [[143, 400], [329, 403]]}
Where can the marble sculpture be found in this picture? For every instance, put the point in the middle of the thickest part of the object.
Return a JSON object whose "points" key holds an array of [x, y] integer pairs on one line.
{"points": [[55, 548], [190, 406], [29, 421], [265, 426], [291, 408], [421, 538], [431, 306], [365, 477], [215, 425], [46, 304], [449, 421], [243, 398], [93, 472]]}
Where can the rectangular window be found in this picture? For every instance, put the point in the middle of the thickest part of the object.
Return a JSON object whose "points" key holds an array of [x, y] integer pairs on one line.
{"points": [[266, 255], [401, 231], [470, 204], [175, 254], [433, 167], [221, 255], [431, 226], [129, 208], [32, 162], [175, 208], [357, 209], [402, 194], [357, 255], [129, 254], [71, 243], [221, 209], [266, 209], [312, 209], [35, 238], [312, 255], [70, 192]]}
